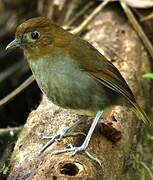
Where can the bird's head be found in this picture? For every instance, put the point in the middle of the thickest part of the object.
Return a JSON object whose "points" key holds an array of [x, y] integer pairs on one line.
{"points": [[37, 36]]}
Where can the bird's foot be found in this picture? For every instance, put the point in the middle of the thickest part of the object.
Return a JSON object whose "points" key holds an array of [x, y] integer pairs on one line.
{"points": [[59, 136], [74, 150]]}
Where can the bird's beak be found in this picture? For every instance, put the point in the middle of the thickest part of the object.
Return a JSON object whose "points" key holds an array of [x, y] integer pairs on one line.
{"points": [[14, 44]]}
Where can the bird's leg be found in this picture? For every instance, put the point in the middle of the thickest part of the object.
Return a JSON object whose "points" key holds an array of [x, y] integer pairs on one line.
{"points": [[85, 144], [61, 134]]}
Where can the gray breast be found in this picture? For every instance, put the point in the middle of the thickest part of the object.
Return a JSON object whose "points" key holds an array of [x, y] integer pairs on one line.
{"points": [[62, 81]]}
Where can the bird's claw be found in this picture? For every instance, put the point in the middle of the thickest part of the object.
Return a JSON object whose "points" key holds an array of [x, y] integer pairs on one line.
{"points": [[93, 157], [58, 137], [72, 149], [75, 150]]}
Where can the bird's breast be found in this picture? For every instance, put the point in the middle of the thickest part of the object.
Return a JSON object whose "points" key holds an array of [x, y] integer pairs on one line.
{"points": [[62, 81]]}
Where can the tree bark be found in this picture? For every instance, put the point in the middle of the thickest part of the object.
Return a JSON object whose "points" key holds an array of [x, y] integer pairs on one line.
{"points": [[110, 31]]}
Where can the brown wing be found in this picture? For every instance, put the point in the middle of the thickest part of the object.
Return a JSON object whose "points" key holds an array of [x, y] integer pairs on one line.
{"points": [[116, 83], [106, 73], [100, 68]]}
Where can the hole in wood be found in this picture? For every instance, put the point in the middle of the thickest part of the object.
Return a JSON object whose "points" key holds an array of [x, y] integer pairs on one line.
{"points": [[69, 169]]}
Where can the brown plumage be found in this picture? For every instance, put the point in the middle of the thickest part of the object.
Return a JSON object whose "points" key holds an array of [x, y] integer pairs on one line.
{"points": [[55, 42]]}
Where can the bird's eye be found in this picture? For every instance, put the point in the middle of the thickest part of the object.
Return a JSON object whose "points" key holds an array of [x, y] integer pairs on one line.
{"points": [[35, 35]]}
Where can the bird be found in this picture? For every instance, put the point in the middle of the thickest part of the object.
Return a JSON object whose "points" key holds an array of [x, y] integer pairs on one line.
{"points": [[72, 74]]}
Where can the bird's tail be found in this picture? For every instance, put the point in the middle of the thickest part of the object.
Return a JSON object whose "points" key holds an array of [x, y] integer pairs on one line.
{"points": [[140, 113]]}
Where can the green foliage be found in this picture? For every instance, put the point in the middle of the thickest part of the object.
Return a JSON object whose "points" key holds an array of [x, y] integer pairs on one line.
{"points": [[148, 75]]}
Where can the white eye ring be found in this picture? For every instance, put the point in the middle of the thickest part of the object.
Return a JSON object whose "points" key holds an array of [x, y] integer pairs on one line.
{"points": [[35, 35]]}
